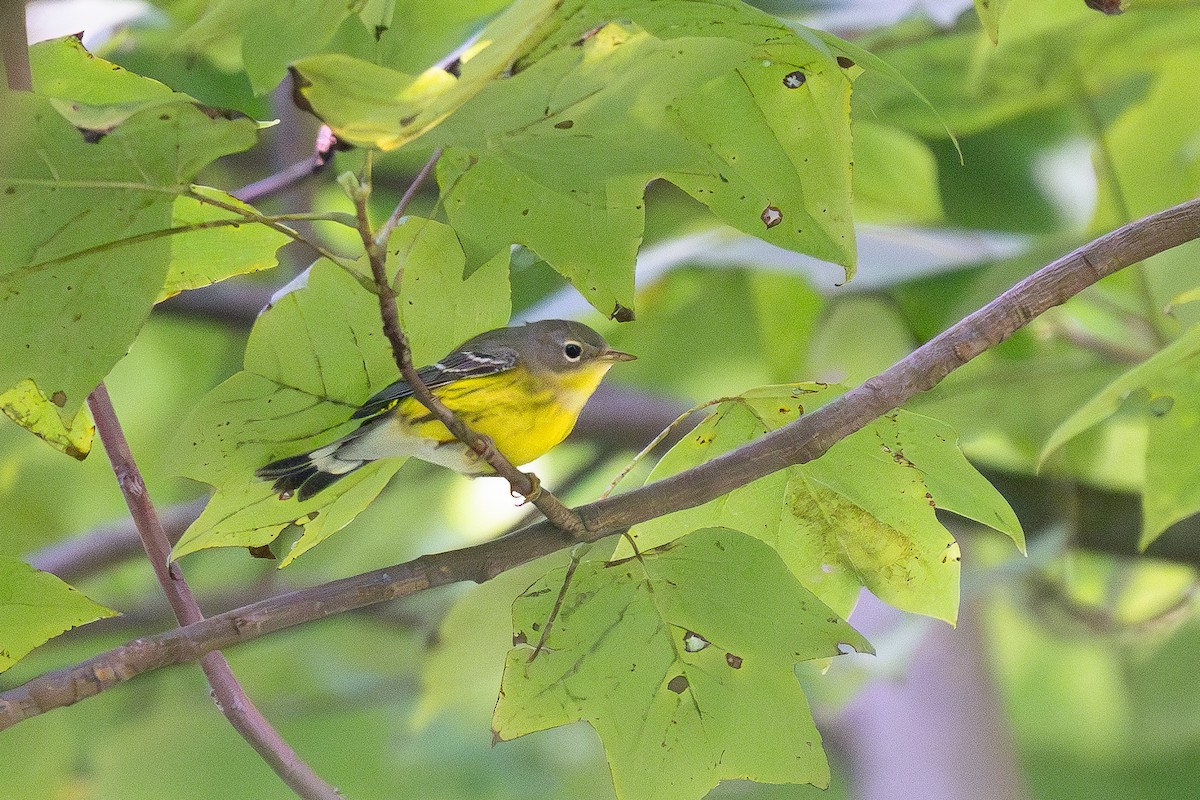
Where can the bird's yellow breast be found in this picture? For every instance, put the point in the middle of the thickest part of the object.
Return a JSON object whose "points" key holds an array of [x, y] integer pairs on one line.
{"points": [[525, 415]]}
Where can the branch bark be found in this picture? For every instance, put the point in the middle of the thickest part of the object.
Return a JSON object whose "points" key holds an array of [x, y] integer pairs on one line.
{"points": [[796, 443], [231, 698]]}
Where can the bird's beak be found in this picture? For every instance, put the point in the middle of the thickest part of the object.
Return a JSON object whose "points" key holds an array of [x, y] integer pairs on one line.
{"points": [[617, 355]]}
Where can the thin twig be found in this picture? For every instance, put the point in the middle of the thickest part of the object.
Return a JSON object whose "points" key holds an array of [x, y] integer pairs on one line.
{"points": [[230, 697], [385, 231], [291, 175], [795, 443], [523, 483], [657, 440]]}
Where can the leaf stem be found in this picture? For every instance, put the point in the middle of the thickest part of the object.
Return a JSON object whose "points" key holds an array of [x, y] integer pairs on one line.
{"points": [[375, 245], [795, 443], [385, 231], [229, 695]]}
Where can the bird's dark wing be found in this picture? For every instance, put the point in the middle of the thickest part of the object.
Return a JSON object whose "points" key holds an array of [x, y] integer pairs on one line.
{"points": [[454, 367]]}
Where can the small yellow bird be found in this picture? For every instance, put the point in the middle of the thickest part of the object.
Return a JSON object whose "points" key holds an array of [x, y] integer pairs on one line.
{"points": [[523, 387]]}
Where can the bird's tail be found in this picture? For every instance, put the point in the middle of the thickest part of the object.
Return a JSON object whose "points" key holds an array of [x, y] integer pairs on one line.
{"points": [[308, 473]]}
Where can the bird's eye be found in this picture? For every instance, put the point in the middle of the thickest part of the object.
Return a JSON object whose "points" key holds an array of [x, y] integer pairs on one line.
{"points": [[572, 351]]}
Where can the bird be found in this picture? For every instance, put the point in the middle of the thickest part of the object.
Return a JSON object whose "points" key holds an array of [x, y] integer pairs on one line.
{"points": [[522, 387]]}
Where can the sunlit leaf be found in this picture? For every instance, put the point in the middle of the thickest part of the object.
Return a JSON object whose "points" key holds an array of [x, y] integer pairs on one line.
{"points": [[25, 405], [218, 243], [860, 515], [311, 360], [730, 105], [683, 661], [36, 606]]}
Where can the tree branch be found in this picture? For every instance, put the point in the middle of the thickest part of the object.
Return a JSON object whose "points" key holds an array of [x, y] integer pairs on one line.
{"points": [[105, 546], [375, 244], [230, 697], [292, 174], [14, 45], [795, 443]]}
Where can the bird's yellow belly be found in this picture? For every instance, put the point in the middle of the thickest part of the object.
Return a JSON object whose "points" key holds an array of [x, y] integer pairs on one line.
{"points": [[523, 419]]}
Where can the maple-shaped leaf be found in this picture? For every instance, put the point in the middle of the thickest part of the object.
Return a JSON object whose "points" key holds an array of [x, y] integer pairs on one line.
{"points": [[683, 660], [860, 515]]}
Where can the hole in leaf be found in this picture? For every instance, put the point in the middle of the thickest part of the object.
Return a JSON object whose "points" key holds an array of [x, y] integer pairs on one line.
{"points": [[794, 80]]}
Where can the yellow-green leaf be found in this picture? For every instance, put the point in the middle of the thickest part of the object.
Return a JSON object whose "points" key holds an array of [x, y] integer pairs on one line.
{"points": [[682, 659], [36, 606]]}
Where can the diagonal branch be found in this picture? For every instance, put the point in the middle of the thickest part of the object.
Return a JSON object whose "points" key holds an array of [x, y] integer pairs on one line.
{"points": [[230, 697], [795, 443], [375, 244], [292, 174]]}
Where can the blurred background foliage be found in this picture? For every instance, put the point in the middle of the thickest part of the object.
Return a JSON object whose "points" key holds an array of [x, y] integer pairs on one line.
{"points": [[1072, 124]]}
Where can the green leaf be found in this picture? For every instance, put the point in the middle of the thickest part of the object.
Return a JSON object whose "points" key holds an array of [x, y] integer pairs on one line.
{"points": [[990, 12], [718, 98], [683, 661], [274, 33], [895, 176], [267, 35], [1163, 395], [36, 606], [65, 70], [218, 244], [461, 671], [312, 358], [375, 106], [27, 406], [860, 515], [86, 226]]}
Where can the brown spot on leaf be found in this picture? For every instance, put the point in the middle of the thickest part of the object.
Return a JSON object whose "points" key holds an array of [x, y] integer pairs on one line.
{"points": [[844, 62], [405, 121], [537, 626], [621, 313], [1110, 7], [678, 684], [734, 662], [519, 638], [59, 398], [771, 216], [261, 551], [566, 124], [794, 80]]}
